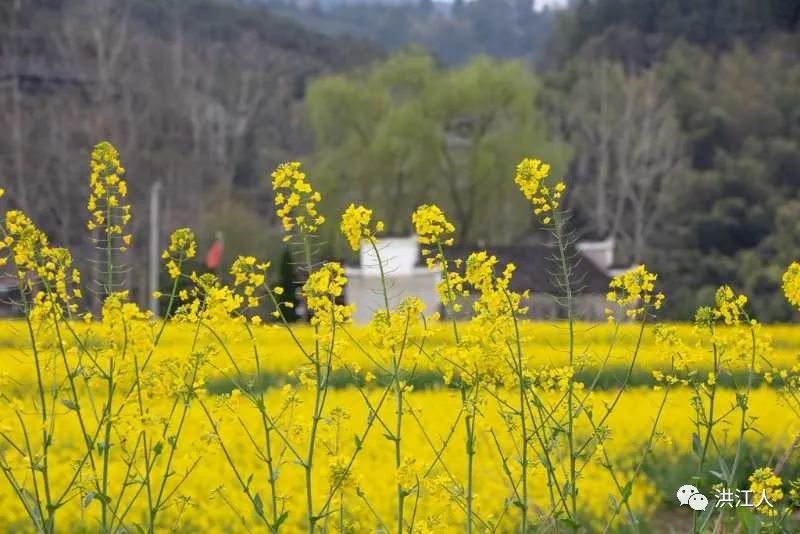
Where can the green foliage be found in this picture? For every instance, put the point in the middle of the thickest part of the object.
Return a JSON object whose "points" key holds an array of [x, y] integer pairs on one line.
{"points": [[735, 215], [406, 132], [641, 31], [730, 72]]}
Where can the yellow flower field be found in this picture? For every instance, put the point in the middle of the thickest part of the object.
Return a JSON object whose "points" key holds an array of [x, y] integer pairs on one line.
{"points": [[544, 341], [217, 421], [210, 499]]}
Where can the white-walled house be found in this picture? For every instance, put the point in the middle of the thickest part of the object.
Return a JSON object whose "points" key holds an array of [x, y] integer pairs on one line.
{"points": [[591, 265], [405, 276]]}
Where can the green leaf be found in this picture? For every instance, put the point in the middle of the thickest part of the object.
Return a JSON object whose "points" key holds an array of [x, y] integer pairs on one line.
{"points": [[70, 404], [32, 503], [258, 504], [281, 520], [321, 516], [612, 502], [627, 490], [725, 469], [697, 446]]}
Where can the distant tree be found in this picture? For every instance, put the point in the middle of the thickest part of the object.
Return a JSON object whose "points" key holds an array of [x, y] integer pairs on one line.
{"points": [[407, 132], [202, 95], [629, 153], [732, 218], [643, 31], [499, 28]]}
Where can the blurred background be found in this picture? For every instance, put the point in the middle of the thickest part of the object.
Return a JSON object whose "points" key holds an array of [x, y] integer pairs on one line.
{"points": [[675, 123]]}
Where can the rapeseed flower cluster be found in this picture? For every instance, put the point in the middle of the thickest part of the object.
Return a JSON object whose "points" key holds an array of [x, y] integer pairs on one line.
{"points": [[124, 330], [37, 262], [107, 191], [249, 275], [399, 330], [791, 284], [635, 292], [55, 272], [431, 226], [495, 298], [530, 178], [480, 357], [209, 302], [554, 379], [295, 200], [322, 290], [794, 493], [356, 227], [182, 246], [24, 240], [433, 229], [452, 289], [729, 305], [765, 484]]}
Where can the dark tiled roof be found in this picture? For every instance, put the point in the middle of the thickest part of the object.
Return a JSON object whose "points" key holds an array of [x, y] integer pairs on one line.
{"points": [[535, 263]]}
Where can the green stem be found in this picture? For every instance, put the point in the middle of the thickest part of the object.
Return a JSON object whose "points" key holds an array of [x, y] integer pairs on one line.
{"points": [[398, 391], [710, 420], [743, 406], [573, 491], [48, 521]]}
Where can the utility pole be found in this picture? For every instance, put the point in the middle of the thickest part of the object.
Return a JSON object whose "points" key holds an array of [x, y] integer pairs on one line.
{"points": [[155, 212]]}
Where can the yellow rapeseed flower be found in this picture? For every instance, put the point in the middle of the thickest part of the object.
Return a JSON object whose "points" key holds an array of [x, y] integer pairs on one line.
{"points": [[432, 226], [730, 306], [635, 291], [791, 284], [106, 188], [767, 490], [182, 246], [355, 225], [295, 200], [530, 177], [323, 287], [249, 275]]}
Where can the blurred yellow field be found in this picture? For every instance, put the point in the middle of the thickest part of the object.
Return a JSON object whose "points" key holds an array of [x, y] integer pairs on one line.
{"points": [[211, 499], [211, 496], [545, 343]]}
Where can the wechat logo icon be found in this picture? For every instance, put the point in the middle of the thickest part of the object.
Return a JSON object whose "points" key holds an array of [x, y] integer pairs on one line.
{"points": [[688, 494]]}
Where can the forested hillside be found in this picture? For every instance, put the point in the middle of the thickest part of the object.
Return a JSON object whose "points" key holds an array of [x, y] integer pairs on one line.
{"points": [[676, 123], [202, 95], [684, 118], [453, 32]]}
